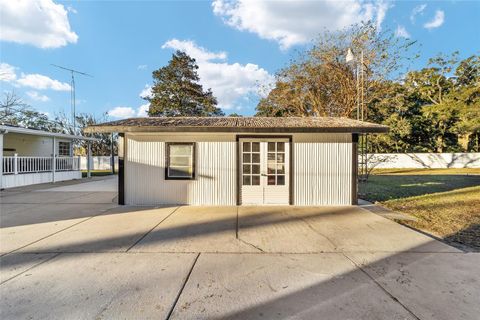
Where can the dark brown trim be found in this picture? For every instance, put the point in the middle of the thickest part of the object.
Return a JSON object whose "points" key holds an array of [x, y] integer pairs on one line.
{"points": [[121, 171], [167, 160], [354, 169], [108, 129], [239, 178], [290, 174]]}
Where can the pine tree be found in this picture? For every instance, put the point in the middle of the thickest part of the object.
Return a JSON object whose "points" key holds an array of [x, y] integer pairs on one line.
{"points": [[176, 90]]}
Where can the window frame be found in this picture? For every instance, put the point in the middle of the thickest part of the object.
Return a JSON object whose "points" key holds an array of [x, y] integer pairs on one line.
{"points": [[167, 160], [68, 149]]}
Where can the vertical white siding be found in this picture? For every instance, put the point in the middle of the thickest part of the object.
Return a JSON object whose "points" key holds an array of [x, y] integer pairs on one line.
{"points": [[215, 171], [322, 170]]}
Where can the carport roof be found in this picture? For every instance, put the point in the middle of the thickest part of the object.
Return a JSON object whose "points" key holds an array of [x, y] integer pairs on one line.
{"points": [[36, 132], [238, 124]]}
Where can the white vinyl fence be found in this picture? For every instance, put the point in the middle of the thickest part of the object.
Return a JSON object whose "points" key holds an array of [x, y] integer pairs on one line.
{"points": [[424, 160], [377, 160], [99, 163]]}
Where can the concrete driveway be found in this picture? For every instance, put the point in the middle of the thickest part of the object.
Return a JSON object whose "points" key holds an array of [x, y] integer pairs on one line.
{"points": [[69, 252]]}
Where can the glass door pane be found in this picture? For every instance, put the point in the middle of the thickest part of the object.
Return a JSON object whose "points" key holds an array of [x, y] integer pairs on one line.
{"points": [[251, 163]]}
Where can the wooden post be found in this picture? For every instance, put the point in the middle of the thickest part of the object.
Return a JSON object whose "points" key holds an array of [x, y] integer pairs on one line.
{"points": [[54, 159], [89, 159]]}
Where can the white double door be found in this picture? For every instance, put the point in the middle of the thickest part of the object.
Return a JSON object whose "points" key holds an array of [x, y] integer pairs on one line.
{"points": [[264, 171]]}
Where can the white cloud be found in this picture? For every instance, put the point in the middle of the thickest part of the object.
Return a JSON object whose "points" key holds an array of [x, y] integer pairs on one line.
{"points": [[35, 80], [72, 9], [142, 111], [122, 112], [416, 11], [437, 20], [34, 95], [41, 23], [146, 92], [7, 72], [296, 22], [129, 112], [229, 82], [402, 32], [41, 82], [142, 67], [197, 52]]}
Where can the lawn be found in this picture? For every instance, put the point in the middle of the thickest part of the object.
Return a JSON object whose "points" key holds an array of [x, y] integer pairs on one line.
{"points": [[97, 173], [446, 202]]}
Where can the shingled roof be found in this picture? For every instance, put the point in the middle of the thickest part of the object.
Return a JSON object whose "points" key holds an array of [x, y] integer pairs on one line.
{"points": [[238, 124]]}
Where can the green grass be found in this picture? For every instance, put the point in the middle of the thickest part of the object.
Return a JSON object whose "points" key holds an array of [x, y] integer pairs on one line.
{"points": [[389, 186], [97, 173], [446, 202], [452, 215], [415, 171]]}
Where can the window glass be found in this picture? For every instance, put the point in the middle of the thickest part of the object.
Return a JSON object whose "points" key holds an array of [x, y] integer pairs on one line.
{"points": [[271, 146], [255, 180], [256, 146], [180, 161], [271, 180], [63, 149]]}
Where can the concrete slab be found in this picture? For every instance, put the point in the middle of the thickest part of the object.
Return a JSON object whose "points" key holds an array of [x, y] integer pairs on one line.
{"points": [[94, 197], [293, 286], [37, 197], [14, 264], [116, 230], [108, 184], [281, 229], [97, 286], [355, 229], [22, 228], [8, 208], [196, 229], [432, 285]]}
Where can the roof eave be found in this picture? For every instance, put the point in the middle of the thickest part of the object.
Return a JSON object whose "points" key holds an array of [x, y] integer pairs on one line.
{"points": [[122, 129]]}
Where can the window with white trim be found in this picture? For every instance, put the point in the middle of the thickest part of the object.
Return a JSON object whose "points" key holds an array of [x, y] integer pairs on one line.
{"points": [[63, 149], [180, 161]]}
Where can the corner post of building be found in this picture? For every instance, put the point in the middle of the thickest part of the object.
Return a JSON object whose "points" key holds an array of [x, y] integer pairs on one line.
{"points": [[354, 169], [121, 168], [112, 153], [54, 159], [89, 159], [1, 159]]}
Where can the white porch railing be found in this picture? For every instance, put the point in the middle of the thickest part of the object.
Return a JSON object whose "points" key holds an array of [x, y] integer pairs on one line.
{"points": [[21, 164]]}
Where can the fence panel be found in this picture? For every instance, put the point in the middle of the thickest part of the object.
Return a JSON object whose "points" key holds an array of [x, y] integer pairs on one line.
{"points": [[21, 164]]}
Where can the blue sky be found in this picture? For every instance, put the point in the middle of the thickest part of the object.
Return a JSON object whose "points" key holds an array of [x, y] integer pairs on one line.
{"points": [[238, 45]]}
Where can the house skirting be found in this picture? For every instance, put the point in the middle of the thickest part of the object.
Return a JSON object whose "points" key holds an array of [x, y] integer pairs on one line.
{"points": [[24, 179]]}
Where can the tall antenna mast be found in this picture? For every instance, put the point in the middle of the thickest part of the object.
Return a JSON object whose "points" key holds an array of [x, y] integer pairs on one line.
{"points": [[72, 92]]}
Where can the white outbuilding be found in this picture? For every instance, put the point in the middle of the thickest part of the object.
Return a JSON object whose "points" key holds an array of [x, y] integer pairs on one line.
{"points": [[238, 160]]}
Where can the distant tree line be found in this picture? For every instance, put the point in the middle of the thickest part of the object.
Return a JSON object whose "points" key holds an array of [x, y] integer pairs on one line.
{"points": [[14, 111], [435, 109]]}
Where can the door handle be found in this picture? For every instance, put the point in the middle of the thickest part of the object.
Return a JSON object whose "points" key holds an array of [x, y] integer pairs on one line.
{"points": [[263, 175]]}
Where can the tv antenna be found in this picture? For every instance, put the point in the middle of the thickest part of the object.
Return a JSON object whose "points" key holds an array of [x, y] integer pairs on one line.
{"points": [[72, 92]]}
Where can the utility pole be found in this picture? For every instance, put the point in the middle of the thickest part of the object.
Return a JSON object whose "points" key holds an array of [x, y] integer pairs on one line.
{"points": [[361, 112], [72, 93]]}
